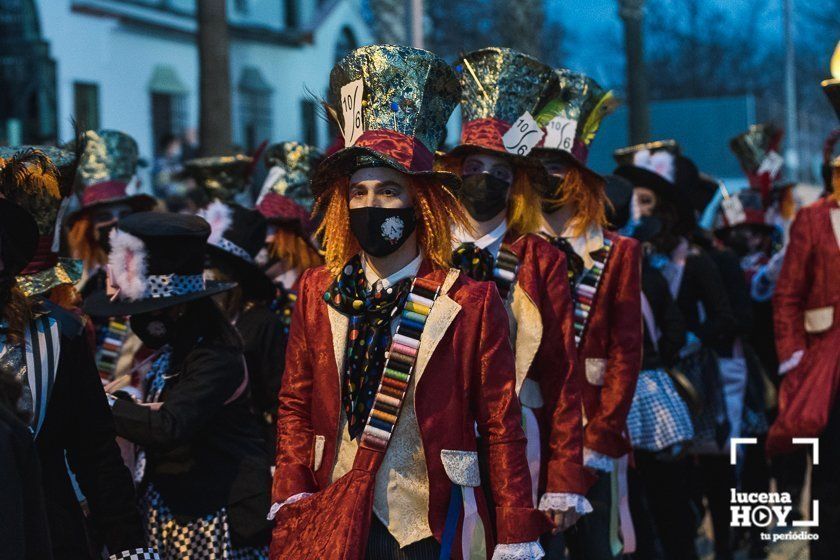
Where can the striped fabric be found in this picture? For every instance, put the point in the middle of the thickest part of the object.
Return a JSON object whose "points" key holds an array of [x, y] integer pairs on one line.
{"points": [[587, 287], [42, 348], [109, 351], [505, 271], [399, 364]]}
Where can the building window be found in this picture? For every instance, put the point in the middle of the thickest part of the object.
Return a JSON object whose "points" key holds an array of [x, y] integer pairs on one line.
{"points": [[169, 104], [241, 6], [346, 43], [254, 107], [309, 121], [86, 105], [291, 13]]}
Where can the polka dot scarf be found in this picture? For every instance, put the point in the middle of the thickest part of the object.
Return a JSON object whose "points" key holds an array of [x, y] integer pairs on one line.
{"points": [[475, 262], [368, 337]]}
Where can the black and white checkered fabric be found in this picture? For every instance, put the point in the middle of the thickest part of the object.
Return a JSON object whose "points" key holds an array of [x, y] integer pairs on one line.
{"points": [[136, 554], [205, 538], [658, 417]]}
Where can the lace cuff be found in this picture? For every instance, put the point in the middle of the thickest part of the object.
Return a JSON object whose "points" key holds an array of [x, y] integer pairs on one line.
{"points": [[791, 362], [518, 551], [136, 554], [565, 501], [598, 461], [275, 507]]}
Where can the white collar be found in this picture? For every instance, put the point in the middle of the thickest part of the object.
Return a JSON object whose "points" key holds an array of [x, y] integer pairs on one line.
{"points": [[407, 271], [492, 241]]}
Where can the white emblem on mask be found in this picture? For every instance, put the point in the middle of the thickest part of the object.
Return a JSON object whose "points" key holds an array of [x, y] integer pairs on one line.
{"points": [[392, 228]]}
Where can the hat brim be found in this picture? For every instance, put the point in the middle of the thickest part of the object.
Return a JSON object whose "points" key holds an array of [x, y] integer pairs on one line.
{"points": [[65, 272], [343, 163], [22, 231], [138, 203], [569, 159], [253, 281], [100, 304]]}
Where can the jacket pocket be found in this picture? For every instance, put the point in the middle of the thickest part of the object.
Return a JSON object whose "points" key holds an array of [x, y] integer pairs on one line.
{"points": [[819, 320], [318, 452], [461, 467], [596, 369]]}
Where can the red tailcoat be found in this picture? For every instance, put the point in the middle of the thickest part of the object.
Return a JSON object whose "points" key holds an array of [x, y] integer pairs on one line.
{"points": [[469, 380], [543, 277], [806, 316], [610, 354]]}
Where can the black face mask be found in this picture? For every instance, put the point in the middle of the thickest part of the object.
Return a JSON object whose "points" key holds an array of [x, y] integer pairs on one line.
{"points": [[154, 329], [551, 200], [104, 236], [646, 228], [483, 195], [381, 231]]}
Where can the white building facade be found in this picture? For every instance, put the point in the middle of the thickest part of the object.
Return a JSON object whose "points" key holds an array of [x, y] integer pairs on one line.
{"points": [[132, 65]]}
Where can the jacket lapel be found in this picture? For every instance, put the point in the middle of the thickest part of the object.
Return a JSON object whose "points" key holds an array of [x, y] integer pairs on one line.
{"points": [[529, 332], [835, 224], [338, 326], [443, 313]]}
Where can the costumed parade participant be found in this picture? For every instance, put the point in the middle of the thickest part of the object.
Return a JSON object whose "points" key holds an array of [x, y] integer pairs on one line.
{"points": [[698, 289], [206, 479], [106, 172], [500, 194], [604, 274], [237, 236], [44, 347], [383, 464], [805, 312], [659, 422], [218, 177]]}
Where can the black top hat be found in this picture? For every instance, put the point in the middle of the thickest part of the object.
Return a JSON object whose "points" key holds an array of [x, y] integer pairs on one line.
{"points": [[156, 261], [237, 236], [620, 193], [18, 236]]}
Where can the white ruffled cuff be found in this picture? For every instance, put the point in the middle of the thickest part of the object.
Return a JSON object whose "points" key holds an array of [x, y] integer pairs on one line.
{"points": [[598, 461], [136, 554], [518, 551], [564, 501], [275, 507], [791, 362]]}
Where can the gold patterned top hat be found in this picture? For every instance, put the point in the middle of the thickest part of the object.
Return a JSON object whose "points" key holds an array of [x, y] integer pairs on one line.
{"points": [[38, 182], [572, 117], [831, 87], [501, 91], [757, 151], [221, 177], [290, 166], [392, 104], [107, 170]]}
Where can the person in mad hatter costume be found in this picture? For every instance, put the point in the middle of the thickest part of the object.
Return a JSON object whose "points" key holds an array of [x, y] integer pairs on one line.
{"points": [[237, 236], [500, 193], [218, 177], [603, 270], [205, 482], [377, 455], [43, 345], [806, 312], [696, 284]]}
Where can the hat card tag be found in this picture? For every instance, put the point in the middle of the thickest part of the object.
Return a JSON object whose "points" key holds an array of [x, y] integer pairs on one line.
{"points": [[351, 109], [521, 138], [560, 133], [733, 211], [771, 164]]}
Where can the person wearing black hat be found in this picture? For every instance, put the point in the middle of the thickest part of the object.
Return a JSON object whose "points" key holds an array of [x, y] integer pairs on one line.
{"points": [[206, 480], [237, 236], [43, 346], [695, 283]]}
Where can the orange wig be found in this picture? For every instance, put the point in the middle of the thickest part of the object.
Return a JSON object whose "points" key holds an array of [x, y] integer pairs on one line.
{"points": [[83, 244], [589, 201], [293, 250], [437, 212]]}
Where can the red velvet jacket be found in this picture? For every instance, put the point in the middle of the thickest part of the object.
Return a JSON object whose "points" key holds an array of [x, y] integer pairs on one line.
{"points": [[810, 276], [610, 354], [467, 381], [542, 276]]}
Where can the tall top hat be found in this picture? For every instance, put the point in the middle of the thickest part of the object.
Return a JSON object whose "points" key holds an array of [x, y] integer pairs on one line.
{"points": [[757, 151], [294, 164], [392, 104], [156, 261], [750, 212], [221, 177], [40, 181], [831, 87], [237, 234], [107, 171], [501, 88], [572, 117]]}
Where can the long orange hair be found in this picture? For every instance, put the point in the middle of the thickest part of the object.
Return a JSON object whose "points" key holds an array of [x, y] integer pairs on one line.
{"points": [[589, 201], [835, 183], [523, 208], [83, 245], [437, 212], [293, 250]]}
